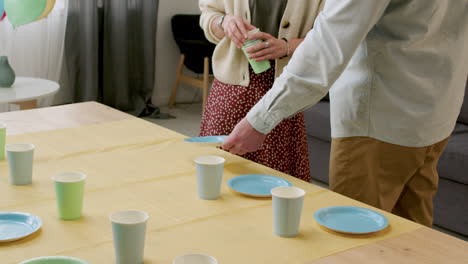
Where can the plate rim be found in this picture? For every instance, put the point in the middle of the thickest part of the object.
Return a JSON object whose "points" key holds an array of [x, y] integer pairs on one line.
{"points": [[229, 184], [37, 218], [321, 223], [188, 139]]}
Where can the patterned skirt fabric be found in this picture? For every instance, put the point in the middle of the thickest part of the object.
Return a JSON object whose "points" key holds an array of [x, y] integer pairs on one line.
{"points": [[285, 148]]}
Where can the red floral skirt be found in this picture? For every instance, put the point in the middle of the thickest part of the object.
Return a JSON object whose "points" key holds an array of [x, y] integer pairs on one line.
{"points": [[285, 148]]}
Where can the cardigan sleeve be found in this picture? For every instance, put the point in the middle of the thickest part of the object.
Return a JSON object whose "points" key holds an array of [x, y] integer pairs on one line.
{"points": [[210, 10]]}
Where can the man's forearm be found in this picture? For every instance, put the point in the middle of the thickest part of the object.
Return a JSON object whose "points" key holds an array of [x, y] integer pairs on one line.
{"points": [[318, 61]]}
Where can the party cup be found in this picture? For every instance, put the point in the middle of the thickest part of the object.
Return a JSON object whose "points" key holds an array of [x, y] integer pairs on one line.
{"points": [[20, 160], [209, 176], [195, 259], [287, 210], [69, 189], [257, 66], [129, 228]]}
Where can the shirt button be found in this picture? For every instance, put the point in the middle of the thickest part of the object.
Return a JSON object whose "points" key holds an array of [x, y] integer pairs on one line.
{"points": [[285, 24]]}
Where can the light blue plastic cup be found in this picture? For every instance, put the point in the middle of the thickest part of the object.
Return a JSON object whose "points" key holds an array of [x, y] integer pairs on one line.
{"points": [[20, 162], [209, 176], [287, 210], [129, 229]]}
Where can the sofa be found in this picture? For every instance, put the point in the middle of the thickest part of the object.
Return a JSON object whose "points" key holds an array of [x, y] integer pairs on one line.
{"points": [[451, 200]]}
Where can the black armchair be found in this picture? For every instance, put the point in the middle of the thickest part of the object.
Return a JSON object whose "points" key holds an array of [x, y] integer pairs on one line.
{"points": [[194, 49]]}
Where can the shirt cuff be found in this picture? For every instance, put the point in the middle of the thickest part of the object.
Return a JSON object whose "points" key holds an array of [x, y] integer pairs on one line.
{"points": [[262, 120]]}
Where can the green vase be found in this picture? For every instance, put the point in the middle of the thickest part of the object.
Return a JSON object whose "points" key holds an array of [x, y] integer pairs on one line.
{"points": [[7, 75]]}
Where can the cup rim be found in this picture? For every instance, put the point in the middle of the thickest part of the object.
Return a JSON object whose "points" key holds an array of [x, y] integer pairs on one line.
{"points": [[251, 43], [255, 30], [19, 147], [80, 177], [114, 217], [54, 258], [204, 160], [288, 192], [195, 254]]}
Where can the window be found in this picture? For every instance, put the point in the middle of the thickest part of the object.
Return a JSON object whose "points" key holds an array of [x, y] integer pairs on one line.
{"points": [[60, 7]]}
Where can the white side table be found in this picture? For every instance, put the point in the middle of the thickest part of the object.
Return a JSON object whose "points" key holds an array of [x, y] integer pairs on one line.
{"points": [[26, 91]]}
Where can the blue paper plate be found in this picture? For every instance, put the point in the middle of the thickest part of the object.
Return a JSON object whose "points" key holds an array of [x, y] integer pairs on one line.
{"points": [[351, 219], [209, 139], [256, 185], [16, 225], [54, 260]]}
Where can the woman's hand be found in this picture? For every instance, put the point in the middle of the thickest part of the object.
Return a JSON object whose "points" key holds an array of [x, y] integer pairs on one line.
{"points": [[236, 29], [271, 48]]}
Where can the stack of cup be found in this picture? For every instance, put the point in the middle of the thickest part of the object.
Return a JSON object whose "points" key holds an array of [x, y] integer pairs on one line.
{"points": [[257, 66], [287, 210], [209, 176], [20, 161]]}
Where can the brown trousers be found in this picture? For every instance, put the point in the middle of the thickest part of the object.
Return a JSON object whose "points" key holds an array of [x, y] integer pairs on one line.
{"points": [[397, 179]]}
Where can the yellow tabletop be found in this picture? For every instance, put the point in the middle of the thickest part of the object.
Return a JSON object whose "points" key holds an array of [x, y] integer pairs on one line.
{"points": [[133, 164]]}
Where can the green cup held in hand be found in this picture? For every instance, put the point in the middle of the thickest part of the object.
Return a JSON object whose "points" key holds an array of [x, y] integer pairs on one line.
{"points": [[257, 66]]}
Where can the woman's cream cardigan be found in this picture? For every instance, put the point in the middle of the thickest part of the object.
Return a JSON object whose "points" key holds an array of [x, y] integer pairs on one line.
{"points": [[229, 63]]}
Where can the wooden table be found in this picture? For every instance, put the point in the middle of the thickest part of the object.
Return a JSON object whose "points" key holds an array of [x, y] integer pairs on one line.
{"points": [[421, 246], [66, 116]]}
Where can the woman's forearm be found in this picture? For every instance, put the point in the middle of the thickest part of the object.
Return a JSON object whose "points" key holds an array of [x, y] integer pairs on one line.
{"points": [[215, 28]]}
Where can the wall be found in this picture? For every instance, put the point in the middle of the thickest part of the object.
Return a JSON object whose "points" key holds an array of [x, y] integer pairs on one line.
{"points": [[167, 53]]}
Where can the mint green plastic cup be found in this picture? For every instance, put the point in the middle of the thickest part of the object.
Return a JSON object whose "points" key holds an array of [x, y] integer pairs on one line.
{"points": [[2, 140], [54, 260], [69, 189], [257, 66]]}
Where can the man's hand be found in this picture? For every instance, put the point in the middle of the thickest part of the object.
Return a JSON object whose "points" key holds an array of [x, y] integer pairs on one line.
{"points": [[244, 138]]}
